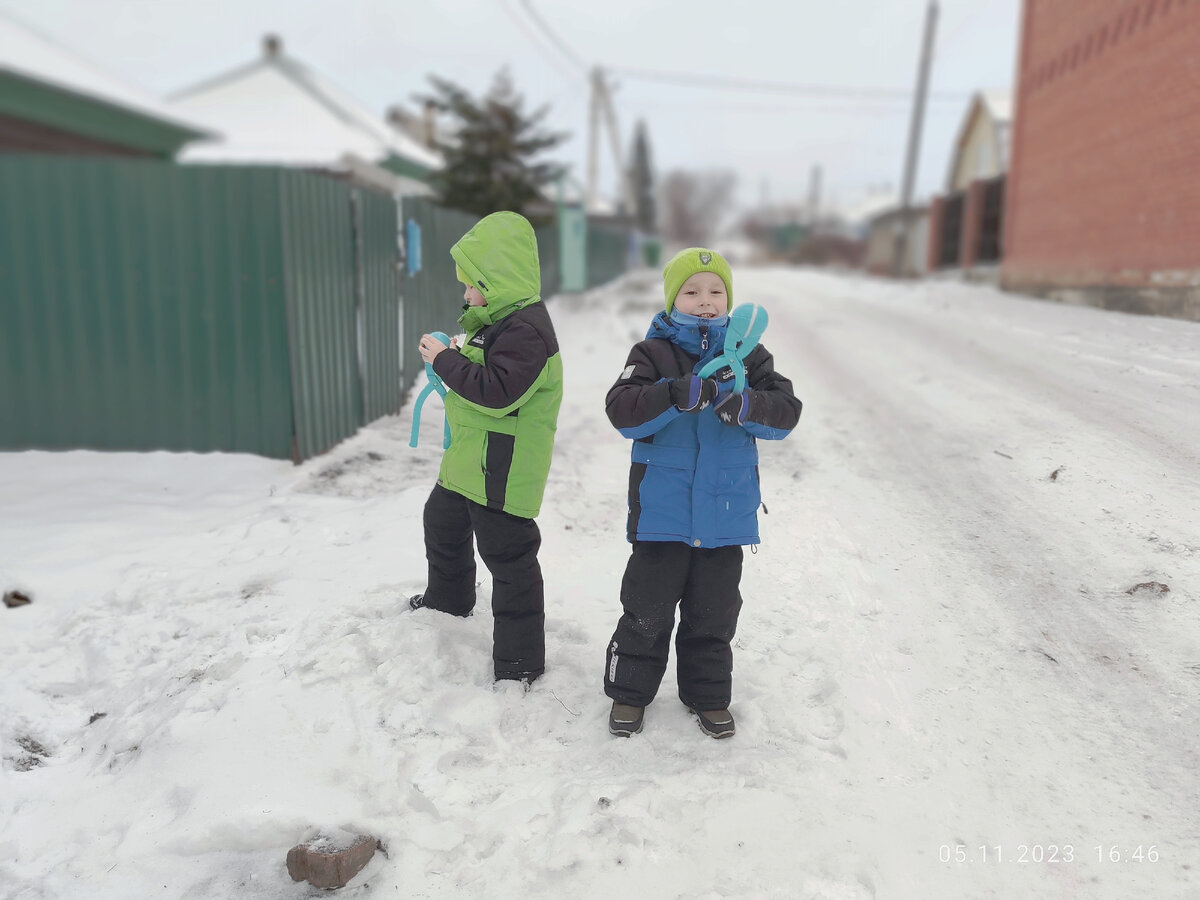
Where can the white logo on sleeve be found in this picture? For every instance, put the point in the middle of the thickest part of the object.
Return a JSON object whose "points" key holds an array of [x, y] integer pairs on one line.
{"points": [[628, 373]]}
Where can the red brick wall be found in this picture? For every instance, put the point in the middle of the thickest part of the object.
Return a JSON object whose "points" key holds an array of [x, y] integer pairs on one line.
{"points": [[1104, 183], [972, 224], [933, 247], [23, 136]]}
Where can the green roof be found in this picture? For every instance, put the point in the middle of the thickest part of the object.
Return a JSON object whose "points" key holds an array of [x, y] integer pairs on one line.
{"points": [[37, 101]]}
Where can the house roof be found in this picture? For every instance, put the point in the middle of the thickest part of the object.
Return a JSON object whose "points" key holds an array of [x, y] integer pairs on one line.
{"points": [[37, 61], [891, 213], [278, 110], [996, 105], [999, 104], [867, 208]]}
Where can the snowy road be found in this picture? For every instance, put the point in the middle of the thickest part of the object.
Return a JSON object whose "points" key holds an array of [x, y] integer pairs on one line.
{"points": [[996, 474], [947, 682]]}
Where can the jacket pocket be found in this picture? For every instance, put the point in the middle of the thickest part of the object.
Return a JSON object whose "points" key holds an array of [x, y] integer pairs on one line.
{"points": [[496, 464]]}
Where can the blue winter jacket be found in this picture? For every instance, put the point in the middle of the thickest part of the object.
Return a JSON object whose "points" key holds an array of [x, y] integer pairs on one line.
{"points": [[694, 478]]}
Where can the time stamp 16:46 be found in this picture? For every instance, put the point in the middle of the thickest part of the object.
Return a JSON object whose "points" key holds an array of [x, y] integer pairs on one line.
{"points": [[1048, 853]]}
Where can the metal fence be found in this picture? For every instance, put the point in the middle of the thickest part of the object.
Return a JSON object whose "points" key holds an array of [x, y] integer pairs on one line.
{"points": [[145, 306], [608, 251]]}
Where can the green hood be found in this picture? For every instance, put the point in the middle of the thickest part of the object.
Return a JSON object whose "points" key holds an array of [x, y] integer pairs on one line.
{"points": [[500, 256]]}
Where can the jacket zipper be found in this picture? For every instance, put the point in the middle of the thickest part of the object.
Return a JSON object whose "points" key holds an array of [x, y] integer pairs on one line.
{"points": [[703, 338]]}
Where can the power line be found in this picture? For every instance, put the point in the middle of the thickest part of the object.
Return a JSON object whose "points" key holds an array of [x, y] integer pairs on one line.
{"points": [[554, 38], [830, 91], [539, 44], [869, 108]]}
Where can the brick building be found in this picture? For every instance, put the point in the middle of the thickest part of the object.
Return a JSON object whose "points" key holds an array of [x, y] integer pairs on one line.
{"points": [[1103, 199]]}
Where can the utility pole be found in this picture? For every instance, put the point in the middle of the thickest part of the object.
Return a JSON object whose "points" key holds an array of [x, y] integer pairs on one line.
{"points": [[814, 196], [601, 105], [900, 253], [624, 182], [593, 136]]}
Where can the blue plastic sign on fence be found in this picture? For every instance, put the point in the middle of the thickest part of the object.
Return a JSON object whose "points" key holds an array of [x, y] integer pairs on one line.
{"points": [[412, 237]]}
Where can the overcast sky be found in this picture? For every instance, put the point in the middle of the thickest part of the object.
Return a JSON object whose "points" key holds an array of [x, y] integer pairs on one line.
{"points": [[382, 50]]}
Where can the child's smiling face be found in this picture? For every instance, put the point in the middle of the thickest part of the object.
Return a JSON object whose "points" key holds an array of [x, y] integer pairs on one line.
{"points": [[703, 295]]}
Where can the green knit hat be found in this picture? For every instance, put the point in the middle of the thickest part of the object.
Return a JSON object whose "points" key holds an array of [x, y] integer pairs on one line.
{"points": [[686, 263]]}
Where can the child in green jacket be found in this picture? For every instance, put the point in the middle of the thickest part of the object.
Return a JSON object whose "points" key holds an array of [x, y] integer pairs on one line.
{"points": [[503, 391]]}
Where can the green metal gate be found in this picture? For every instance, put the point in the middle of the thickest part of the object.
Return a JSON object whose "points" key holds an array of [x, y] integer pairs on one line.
{"points": [[145, 306]]}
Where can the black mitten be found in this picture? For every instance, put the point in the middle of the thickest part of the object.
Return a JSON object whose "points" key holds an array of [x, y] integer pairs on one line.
{"points": [[693, 393], [732, 408]]}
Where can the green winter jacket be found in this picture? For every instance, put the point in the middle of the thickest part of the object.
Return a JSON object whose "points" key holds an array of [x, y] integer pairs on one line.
{"points": [[504, 386]]}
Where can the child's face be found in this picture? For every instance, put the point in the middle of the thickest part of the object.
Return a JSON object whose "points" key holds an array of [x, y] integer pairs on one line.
{"points": [[703, 295], [473, 297]]}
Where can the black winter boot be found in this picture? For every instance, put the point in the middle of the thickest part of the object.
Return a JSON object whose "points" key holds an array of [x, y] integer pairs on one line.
{"points": [[417, 601], [716, 723], [625, 720]]}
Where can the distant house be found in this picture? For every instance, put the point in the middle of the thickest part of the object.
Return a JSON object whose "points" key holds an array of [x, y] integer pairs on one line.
{"points": [[278, 111], [981, 148], [1103, 194], [881, 232], [967, 221], [855, 218], [54, 101]]}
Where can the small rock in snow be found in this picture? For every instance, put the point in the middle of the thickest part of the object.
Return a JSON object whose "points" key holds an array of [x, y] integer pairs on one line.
{"points": [[15, 598], [1149, 587], [325, 863], [34, 753]]}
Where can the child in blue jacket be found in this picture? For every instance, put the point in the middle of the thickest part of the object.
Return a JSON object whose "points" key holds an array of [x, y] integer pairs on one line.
{"points": [[693, 496]]}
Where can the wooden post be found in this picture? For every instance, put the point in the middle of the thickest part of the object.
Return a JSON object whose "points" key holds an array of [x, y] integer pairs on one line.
{"points": [[914, 140]]}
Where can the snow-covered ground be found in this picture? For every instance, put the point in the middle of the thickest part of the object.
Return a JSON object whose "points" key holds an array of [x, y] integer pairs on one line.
{"points": [[947, 683]]}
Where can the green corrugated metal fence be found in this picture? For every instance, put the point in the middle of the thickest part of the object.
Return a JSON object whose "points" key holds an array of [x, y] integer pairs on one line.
{"points": [[379, 328], [607, 252], [146, 306], [322, 311], [550, 257], [432, 295], [151, 306]]}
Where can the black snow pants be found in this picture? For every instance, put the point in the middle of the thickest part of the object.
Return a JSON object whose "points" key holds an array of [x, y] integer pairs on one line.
{"points": [[704, 582], [508, 546]]}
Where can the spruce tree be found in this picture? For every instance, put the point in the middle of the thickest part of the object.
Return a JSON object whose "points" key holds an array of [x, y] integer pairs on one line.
{"points": [[642, 178], [489, 159]]}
